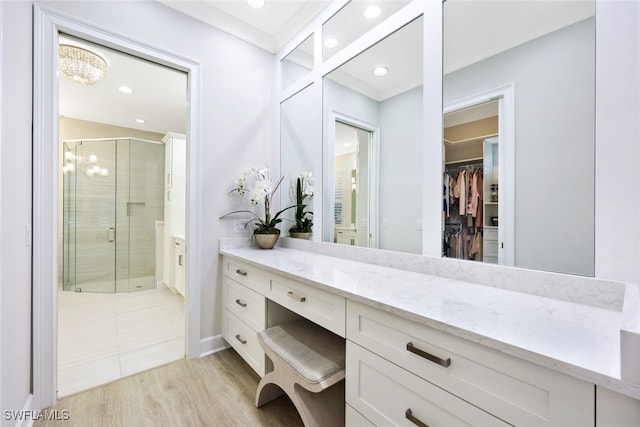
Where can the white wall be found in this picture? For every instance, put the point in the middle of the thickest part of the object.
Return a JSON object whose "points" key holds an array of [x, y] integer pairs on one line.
{"points": [[617, 140], [236, 131], [15, 188], [554, 143], [401, 172]]}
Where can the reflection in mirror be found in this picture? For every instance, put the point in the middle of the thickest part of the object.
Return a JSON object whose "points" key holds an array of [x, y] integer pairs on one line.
{"points": [[353, 20], [373, 187], [530, 144], [299, 134], [297, 63]]}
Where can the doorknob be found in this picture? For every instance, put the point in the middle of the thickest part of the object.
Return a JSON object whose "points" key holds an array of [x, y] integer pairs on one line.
{"points": [[109, 237]]}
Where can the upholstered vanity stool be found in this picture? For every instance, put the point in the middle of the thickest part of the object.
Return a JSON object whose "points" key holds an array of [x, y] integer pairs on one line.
{"points": [[308, 365]]}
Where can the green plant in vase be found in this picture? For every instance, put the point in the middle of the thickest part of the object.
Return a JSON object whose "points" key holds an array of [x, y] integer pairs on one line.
{"points": [[303, 226]]}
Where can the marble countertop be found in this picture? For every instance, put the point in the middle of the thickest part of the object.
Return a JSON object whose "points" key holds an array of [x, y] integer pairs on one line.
{"points": [[576, 339]]}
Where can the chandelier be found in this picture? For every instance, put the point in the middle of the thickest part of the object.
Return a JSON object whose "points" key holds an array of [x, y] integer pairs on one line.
{"points": [[81, 65]]}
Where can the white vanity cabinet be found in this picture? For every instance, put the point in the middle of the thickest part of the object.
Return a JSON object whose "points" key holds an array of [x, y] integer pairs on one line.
{"points": [[244, 312], [447, 380]]}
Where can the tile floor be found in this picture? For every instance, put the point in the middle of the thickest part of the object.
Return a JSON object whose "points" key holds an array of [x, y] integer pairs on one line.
{"points": [[104, 337]]}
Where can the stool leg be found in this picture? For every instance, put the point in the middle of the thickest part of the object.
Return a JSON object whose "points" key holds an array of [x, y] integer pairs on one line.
{"points": [[324, 409], [267, 390]]}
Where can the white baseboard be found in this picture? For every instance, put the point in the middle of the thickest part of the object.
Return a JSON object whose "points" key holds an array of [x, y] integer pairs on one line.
{"points": [[212, 345]]}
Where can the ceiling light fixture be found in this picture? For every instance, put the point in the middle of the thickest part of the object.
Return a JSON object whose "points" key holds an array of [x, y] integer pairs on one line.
{"points": [[256, 4], [141, 121], [380, 71], [330, 42], [125, 89], [372, 11], [81, 65]]}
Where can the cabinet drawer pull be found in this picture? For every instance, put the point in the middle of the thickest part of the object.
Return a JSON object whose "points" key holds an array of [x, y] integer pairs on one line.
{"points": [[409, 415], [296, 297], [435, 359], [240, 272], [241, 303], [239, 338]]}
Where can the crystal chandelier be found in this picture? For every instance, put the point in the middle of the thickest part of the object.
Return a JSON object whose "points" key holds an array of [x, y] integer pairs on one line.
{"points": [[81, 65]]}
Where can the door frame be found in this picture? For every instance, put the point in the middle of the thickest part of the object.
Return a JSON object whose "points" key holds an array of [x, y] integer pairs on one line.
{"points": [[48, 23], [505, 95], [374, 175]]}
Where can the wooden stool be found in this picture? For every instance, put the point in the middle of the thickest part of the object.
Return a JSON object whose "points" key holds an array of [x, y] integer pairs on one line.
{"points": [[308, 362]]}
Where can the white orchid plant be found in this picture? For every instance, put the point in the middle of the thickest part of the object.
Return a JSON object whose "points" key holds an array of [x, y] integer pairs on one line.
{"points": [[257, 183], [303, 190]]}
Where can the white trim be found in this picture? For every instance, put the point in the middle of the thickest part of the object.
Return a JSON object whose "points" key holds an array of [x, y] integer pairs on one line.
{"points": [[506, 169], [374, 174], [27, 408], [212, 345], [47, 24]]}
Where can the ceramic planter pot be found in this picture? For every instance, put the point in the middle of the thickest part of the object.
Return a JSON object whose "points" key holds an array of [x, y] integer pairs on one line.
{"points": [[300, 235], [266, 241]]}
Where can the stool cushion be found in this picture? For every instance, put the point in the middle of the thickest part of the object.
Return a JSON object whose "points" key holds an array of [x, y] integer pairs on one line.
{"points": [[310, 350]]}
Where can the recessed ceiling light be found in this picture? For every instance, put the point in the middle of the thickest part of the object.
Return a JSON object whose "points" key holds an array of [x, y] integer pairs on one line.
{"points": [[125, 89], [346, 144], [372, 11], [380, 71], [141, 121], [330, 42], [256, 4]]}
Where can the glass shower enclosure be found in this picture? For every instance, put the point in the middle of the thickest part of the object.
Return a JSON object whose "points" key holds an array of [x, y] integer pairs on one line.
{"points": [[113, 194]]}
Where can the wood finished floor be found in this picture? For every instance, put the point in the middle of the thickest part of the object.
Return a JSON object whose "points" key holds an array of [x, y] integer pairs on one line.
{"points": [[217, 390]]}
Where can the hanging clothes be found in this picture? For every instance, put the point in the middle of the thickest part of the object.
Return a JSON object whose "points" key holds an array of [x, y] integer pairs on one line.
{"points": [[479, 212], [462, 191]]}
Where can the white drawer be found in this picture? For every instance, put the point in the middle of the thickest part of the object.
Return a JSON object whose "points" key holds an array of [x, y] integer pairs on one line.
{"points": [[352, 418], [248, 305], [324, 308], [244, 340], [518, 392], [388, 395], [490, 234], [489, 249], [251, 277]]}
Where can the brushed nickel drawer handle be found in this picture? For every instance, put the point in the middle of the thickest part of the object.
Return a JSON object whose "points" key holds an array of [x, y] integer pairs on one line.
{"points": [[296, 297], [435, 359], [241, 303], [239, 338], [409, 415], [240, 272]]}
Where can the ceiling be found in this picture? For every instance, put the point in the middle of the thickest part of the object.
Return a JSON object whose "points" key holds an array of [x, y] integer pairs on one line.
{"points": [[270, 27], [159, 94]]}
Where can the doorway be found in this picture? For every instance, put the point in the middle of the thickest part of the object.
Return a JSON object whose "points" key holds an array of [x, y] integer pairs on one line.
{"points": [[118, 313], [353, 195], [478, 178]]}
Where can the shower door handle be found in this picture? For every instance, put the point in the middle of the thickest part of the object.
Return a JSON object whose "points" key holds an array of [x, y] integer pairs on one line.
{"points": [[111, 238]]}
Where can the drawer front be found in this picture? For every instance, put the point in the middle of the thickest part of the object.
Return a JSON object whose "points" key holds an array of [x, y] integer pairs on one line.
{"points": [[490, 249], [490, 234], [389, 395], [324, 308], [352, 418], [244, 340], [248, 305], [516, 391], [243, 273]]}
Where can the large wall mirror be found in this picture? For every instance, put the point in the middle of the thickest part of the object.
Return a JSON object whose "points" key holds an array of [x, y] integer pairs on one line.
{"points": [[519, 113], [372, 116], [299, 142]]}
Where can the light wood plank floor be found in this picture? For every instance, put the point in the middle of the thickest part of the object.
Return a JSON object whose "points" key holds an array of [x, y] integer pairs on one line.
{"points": [[217, 390]]}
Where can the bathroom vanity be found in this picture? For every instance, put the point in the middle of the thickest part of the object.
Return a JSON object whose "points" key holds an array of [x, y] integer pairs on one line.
{"points": [[435, 349]]}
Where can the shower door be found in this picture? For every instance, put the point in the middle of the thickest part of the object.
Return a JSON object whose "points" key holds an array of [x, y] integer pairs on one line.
{"points": [[89, 216]]}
